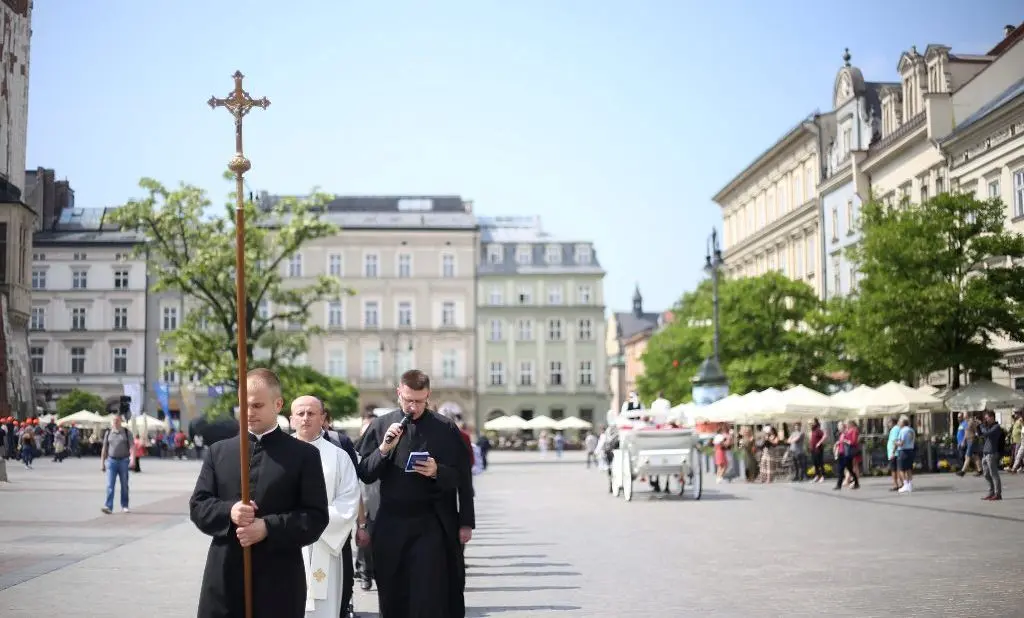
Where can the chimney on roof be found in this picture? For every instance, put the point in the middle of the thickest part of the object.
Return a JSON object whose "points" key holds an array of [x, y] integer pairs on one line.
{"points": [[468, 205], [1008, 30]]}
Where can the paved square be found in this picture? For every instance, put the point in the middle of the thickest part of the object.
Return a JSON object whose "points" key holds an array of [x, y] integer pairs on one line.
{"points": [[552, 541]]}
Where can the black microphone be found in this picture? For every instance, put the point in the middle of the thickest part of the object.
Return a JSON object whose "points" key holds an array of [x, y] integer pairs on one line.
{"points": [[403, 424]]}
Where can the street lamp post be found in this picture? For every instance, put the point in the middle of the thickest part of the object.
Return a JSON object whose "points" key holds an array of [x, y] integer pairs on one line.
{"points": [[710, 383]]}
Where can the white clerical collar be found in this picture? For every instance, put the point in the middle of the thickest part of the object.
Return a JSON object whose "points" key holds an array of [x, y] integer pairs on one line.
{"points": [[259, 437]]}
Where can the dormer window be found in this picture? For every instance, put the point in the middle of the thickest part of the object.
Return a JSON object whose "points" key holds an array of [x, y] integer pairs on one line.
{"points": [[494, 254], [524, 255], [553, 254], [583, 255]]}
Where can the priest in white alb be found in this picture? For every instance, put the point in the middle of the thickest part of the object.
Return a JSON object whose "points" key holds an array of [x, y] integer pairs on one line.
{"points": [[323, 558]]}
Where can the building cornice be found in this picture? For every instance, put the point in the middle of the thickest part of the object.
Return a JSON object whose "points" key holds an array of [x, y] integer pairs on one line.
{"points": [[1001, 129], [791, 138], [910, 132], [796, 218]]}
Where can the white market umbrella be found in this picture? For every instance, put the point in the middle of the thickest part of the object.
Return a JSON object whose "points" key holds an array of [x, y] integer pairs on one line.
{"points": [[283, 422], [803, 402], [348, 424], [542, 422], [893, 398], [984, 395], [146, 422], [506, 423], [572, 422], [722, 411], [83, 417], [928, 389], [748, 409], [684, 413]]}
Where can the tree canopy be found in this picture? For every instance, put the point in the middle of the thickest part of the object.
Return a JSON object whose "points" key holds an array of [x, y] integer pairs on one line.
{"points": [[768, 338], [938, 282], [77, 400], [192, 253], [339, 397]]}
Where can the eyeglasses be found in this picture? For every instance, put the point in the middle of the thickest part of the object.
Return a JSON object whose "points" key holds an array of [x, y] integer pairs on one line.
{"points": [[413, 402]]}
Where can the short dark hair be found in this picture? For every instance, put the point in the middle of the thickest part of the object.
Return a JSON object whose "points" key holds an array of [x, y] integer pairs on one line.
{"points": [[416, 380], [266, 376]]}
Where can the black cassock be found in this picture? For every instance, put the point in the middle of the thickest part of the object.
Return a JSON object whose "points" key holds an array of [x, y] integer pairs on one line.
{"points": [[415, 540], [286, 481]]}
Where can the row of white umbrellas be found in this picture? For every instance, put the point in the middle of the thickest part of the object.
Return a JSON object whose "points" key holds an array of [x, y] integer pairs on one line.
{"points": [[92, 420], [517, 423], [892, 398]]}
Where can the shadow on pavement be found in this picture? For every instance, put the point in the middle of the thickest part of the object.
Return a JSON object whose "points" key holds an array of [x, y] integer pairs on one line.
{"points": [[483, 612], [530, 574], [512, 544], [519, 588], [510, 557], [520, 565]]}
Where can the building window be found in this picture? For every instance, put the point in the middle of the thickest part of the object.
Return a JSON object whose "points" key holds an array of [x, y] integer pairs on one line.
{"points": [[405, 314], [335, 315], [36, 355], [556, 373], [495, 296], [1018, 193], [448, 266], [334, 264], [169, 374], [924, 191], [994, 190], [526, 373], [404, 266], [525, 329], [78, 318], [295, 265], [586, 330], [555, 329], [37, 319], [849, 216], [120, 318], [170, 318], [783, 252], [78, 360], [809, 252], [371, 364], [494, 254], [495, 332], [586, 373], [371, 314], [370, 264], [449, 365], [584, 255], [38, 278], [553, 254], [836, 277], [584, 295], [524, 255], [853, 277], [497, 373], [525, 296], [337, 365], [263, 310], [809, 181], [835, 223], [448, 314], [120, 279], [79, 279], [120, 360], [555, 295]]}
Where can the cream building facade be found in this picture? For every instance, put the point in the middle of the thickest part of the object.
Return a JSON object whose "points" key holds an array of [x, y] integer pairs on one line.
{"points": [[87, 324], [985, 155], [540, 324], [770, 211]]}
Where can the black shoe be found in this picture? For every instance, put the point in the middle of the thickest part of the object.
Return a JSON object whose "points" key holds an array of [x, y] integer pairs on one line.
{"points": [[350, 612], [366, 583]]}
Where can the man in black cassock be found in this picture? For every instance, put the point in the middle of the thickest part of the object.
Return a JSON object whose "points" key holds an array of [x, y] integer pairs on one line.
{"points": [[288, 511], [425, 515]]}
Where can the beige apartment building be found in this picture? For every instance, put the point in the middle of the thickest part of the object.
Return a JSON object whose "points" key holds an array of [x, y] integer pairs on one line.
{"points": [[540, 322], [770, 211], [412, 264]]}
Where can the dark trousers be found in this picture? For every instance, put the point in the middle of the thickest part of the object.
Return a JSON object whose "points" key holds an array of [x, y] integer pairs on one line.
{"points": [[846, 463], [799, 466], [818, 461], [348, 576], [364, 557]]}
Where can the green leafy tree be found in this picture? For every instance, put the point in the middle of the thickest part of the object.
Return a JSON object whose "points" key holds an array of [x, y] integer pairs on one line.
{"points": [[768, 338], [77, 400], [194, 254], [939, 280], [340, 398]]}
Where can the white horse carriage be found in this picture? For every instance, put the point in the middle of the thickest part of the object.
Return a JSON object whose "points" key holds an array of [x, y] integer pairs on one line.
{"points": [[670, 454]]}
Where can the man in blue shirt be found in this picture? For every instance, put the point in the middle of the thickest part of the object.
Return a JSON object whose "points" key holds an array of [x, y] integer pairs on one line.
{"points": [[890, 450], [905, 454], [961, 432]]}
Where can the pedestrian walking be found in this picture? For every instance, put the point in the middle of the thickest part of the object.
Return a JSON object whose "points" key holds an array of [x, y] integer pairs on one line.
{"points": [[991, 453], [117, 458]]}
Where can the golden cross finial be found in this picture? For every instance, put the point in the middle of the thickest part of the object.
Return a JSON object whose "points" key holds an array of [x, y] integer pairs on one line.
{"points": [[239, 103]]}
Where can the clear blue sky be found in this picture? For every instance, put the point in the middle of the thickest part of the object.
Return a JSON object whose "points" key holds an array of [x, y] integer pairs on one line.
{"points": [[616, 121]]}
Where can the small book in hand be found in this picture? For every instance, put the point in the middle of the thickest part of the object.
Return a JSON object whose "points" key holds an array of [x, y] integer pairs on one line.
{"points": [[415, 458]]}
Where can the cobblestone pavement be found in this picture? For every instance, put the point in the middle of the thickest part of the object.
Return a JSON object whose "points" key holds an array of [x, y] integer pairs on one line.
{"points": [[551, 540]]}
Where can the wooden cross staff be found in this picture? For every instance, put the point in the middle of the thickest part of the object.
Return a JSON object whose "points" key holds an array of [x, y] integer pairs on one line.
{"points": [[239, 103]]}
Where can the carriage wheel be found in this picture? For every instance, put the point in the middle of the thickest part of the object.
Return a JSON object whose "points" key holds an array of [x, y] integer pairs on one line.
{"points": [[696, 474], [627, 477]]}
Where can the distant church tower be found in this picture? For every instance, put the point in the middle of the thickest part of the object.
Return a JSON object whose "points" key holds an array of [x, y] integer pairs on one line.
{"points": [[17, 220], [638, 302]]}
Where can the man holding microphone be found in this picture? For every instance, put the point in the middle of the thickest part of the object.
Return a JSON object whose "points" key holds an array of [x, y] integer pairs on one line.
{"points": [[426, 505]]}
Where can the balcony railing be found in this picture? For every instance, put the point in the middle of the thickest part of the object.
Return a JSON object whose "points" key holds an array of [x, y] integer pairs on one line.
{"points": [[902, 131]]}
